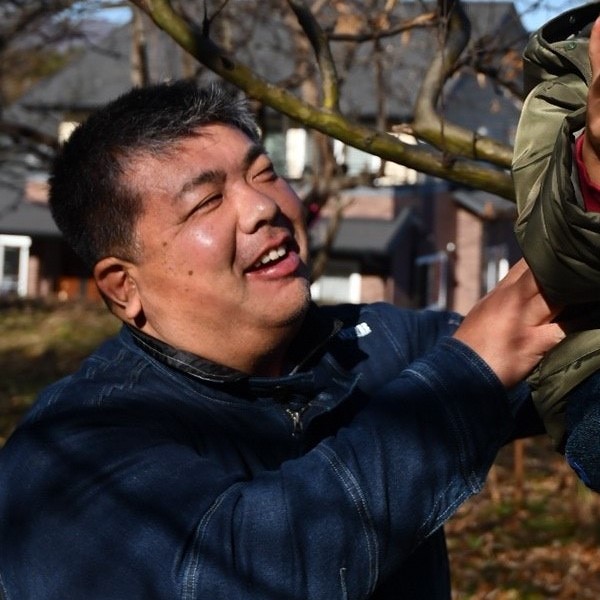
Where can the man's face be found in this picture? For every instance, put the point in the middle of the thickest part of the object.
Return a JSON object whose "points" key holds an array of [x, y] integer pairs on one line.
{"points": [[223, 260]]}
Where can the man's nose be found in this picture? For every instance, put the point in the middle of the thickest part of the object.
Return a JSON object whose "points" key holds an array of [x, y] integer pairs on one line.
{"points": [[255, 209]]}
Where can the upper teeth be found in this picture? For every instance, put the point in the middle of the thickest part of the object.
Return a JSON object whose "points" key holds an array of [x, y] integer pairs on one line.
{"points": [[270, 256]]}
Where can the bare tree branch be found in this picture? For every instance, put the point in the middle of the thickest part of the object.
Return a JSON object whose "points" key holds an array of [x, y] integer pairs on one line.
{"points": [[428, 123], [334, 124], [36, 38], [27, 14], [424, 21], [320, 45], [140, 72], [319, 262]]}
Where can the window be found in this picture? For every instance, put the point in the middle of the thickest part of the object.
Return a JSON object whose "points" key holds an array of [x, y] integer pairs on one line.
{"points": [[395, 174], [357, 162], [291, 152], [14, 263], [340, 283], [275, 146], [432, 281], [496, 266], [296, 152]]}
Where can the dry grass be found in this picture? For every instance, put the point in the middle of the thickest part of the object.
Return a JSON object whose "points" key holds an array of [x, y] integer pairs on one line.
{"points": [[540, 541], [41, 342]]}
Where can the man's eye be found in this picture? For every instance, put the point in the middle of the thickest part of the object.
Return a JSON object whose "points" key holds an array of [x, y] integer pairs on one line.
{"points": [[210, 200], [267, 173], [206, 204]]}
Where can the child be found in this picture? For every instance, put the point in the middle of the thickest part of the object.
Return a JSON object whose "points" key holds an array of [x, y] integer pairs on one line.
{"points": [[559, 226]]}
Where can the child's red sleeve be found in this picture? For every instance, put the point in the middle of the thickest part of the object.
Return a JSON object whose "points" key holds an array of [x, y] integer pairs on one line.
{"points": [[589, 190]]}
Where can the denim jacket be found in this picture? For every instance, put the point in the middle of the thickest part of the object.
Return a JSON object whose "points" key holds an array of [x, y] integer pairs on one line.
{"points": [[150, 474]]}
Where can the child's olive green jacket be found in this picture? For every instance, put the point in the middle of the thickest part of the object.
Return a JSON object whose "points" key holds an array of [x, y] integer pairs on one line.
{"points": [[560, 241]]}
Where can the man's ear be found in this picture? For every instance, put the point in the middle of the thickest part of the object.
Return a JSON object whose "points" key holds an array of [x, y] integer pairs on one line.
{"points": [[114, 279]]}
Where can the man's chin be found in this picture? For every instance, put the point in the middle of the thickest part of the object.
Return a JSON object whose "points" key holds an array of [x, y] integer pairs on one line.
{"points": [[298, 307]]}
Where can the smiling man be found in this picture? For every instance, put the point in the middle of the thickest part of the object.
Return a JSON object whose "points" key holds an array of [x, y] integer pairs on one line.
{"points": [[235, 441], [221, 238]]}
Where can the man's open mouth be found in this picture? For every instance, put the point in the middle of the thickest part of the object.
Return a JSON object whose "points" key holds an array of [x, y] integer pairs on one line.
{"points": [[272, 256]]}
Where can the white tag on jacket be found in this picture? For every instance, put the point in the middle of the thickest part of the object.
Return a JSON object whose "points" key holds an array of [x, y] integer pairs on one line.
{"points": [[358, 331]]}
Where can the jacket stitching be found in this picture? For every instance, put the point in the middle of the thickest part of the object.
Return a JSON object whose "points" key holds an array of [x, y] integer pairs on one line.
{"points": [[346, 477], [190, 582]]}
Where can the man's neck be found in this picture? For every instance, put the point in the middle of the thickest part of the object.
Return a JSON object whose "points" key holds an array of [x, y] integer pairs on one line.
{"points": [[264, 354], [298, 350]]}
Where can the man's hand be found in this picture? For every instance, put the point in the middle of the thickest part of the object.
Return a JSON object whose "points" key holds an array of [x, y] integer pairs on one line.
{"points": [[511, 328], [591, 142]]}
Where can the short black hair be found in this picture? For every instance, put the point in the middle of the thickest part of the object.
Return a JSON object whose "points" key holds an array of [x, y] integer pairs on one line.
{"points": [[91, 203]]}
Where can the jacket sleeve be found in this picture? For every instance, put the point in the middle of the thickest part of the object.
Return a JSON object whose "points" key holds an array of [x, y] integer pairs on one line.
{"points": [[140, 508]]}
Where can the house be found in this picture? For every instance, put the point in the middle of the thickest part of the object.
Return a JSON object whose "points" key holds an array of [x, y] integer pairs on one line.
{"points": [[422, 242], [419, 246], [34, 259], [410, 239]]}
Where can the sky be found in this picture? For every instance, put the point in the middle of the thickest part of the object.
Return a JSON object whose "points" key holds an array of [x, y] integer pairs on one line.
{"points": [[533, 18]]}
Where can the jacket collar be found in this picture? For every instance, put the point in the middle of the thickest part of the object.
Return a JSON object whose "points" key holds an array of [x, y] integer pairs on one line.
{"points": [[315, 333]]}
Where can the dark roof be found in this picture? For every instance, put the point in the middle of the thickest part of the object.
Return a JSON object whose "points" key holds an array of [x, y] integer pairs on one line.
{"points": [[362, 237], [407, 57], [100, 74], [485, 205], [19, 217]]}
